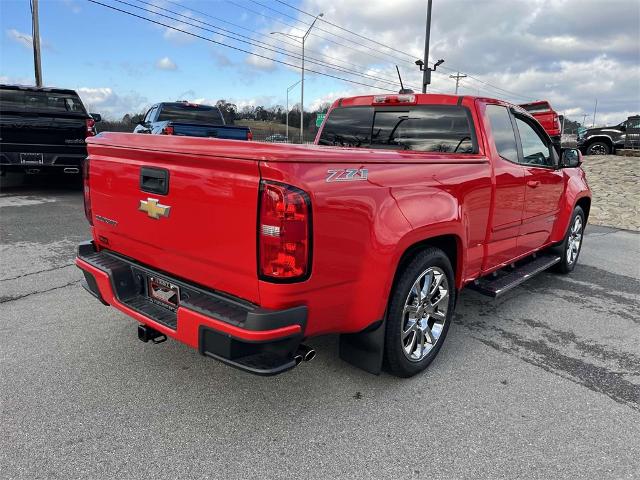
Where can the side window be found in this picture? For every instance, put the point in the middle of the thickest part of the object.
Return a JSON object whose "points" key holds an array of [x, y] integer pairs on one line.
{"points": [[150, 114], [535, 150], [503, 134]]}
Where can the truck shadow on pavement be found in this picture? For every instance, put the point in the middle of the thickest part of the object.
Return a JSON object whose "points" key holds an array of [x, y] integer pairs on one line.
{"points": [[583, 340]]}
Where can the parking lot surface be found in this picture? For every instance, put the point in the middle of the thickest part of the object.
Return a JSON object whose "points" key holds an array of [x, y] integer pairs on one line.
{"points": [[543, 383]]}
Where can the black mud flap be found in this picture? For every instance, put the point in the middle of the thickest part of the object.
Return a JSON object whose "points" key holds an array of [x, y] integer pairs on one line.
{"points": [[365, 349]]}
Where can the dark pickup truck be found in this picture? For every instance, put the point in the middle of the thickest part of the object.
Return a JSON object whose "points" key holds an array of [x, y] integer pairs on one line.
{"points": [[43, 130], [606, 140], [190, 120]]}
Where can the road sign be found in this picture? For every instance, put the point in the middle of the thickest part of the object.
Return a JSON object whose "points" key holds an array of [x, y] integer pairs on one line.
{"points": [[320, 119]]}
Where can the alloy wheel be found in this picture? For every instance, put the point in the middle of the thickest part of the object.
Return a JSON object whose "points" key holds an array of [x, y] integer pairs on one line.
{"points": [[574, 240], [424, 314]]}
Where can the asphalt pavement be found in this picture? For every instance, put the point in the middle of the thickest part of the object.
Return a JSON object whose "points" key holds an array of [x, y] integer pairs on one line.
{"points": [[543, 383]]}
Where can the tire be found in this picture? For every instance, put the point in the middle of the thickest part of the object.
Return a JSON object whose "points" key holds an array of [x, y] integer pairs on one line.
{"points": [[598, 148], [427, 322], [569, 249]]}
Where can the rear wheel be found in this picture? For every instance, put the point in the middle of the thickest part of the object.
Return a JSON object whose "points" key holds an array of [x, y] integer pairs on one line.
{"points": [[598, 148], [419, 314], [569, 249]]}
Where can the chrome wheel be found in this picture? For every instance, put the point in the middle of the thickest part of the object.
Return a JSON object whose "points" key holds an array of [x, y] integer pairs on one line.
{"points": [[574, 240], [424, 314]]}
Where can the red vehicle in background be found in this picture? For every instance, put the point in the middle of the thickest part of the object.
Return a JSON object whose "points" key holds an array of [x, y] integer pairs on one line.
{"points": [[243, 250], [546, 116]]}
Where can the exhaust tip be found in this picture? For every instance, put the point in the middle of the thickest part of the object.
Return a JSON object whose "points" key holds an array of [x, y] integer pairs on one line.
{"points": [[298, 359], [307, 353], [71, 170]]}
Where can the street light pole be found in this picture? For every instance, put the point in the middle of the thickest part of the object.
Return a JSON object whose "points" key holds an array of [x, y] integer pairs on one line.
{"points": [[304, 38], [426, 73], [288, 90], [301, 39]]}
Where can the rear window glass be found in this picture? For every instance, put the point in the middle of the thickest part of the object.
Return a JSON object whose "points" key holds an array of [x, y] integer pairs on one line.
{"points": [[25, 100], [190, 114], [432, 128], [537, 107]]}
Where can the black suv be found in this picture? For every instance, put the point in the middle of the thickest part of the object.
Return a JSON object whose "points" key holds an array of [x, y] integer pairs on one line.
{"points": [[43, 130]]}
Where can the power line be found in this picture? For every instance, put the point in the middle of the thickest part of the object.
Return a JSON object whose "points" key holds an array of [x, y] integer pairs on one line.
{"points": [[385, 60], [256, 43], [288, 42], [347, 30], [234, 47]]}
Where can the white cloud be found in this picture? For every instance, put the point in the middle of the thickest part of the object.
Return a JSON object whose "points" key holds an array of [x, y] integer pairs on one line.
{"points": [[109, 104], [21, 38], [166, 64]]}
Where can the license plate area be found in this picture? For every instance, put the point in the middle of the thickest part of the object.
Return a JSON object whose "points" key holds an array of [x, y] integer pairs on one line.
{"points": [[163, 293], [31, 158]]}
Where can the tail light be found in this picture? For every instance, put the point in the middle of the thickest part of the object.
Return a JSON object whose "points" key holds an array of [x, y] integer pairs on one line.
{"points": [[168, 130], [250, 135], [91, 127], [284, 236], [87, 191]]}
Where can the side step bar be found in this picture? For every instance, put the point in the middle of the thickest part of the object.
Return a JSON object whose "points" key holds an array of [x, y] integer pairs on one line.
{"points": [[506, 279]]}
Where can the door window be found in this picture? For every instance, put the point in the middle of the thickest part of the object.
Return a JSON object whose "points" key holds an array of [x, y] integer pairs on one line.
{"points": [[150, 114], [503, 134], [535, 150]]}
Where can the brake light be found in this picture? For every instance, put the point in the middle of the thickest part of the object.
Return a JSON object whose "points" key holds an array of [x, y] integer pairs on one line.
{"points": [[91, 127], [87, 197], [168, 130], [284, 236], [395, 99], [250, 135]]}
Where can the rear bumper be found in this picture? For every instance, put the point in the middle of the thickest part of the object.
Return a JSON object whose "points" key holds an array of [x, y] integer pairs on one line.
{"points": [[233, 331], [49, 158]]}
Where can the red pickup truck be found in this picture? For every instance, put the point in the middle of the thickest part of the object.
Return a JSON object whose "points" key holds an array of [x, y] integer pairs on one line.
{"points": [[547, 117], [242, 249]]}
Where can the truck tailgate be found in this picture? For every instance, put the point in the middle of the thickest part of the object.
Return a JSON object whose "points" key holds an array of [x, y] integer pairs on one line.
{"points": [[208, 233]]}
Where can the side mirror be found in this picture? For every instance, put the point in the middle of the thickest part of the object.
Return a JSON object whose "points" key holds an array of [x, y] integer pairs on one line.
{"points": [[96, 116], [571, 158]]}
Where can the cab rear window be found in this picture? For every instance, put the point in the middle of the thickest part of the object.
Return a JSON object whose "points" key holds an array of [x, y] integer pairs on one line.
{"points": [[190, 113], [428, 128], [41, 101]]}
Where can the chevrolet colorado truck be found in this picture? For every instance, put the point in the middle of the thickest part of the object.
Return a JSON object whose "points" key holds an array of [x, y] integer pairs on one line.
{"points": [[43, 130], [242, 250], [190, 119]]}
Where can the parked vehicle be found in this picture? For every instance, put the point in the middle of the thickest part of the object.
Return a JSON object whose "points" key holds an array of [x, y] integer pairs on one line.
{"points": [[604, 140], [191, 120], [244, 250], [43, 130], [277, 138], [547, 117]]}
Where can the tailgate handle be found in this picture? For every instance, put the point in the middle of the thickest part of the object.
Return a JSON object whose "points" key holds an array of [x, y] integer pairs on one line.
{"points": [[154, 180]]}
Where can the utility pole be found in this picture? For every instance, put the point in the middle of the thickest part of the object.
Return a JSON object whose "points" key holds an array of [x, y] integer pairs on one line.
{"points": [[288, 90], [595, 109], [35, 30], [458, 76], [584, 118], [426, 73]]}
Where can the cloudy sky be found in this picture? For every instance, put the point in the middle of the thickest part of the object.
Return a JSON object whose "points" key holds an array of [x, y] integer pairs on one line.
{"points": [[570, 52]]}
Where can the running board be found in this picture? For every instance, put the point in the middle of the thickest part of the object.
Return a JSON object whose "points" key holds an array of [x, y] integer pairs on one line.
{"points": [[504, 280]]}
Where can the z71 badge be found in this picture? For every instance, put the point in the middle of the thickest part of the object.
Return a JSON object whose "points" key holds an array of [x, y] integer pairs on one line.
{"points": [[347, 175]]}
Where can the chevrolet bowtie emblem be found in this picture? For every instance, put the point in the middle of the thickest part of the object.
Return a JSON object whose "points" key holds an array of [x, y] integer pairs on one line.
{"points": [[154, 209]]}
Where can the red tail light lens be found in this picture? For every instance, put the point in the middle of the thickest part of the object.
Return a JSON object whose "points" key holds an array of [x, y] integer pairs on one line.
{"points": [[87, 196], [168, 130], [91, 127], [284, 236], [250, 135]]}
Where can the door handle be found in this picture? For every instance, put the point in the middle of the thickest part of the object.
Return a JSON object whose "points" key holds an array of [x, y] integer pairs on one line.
{"points": [[533, 183]]}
